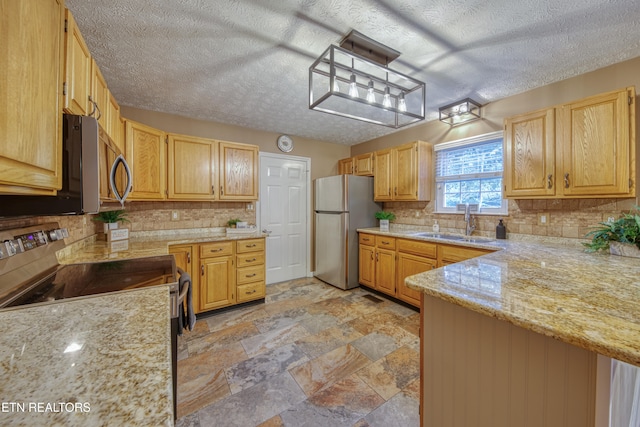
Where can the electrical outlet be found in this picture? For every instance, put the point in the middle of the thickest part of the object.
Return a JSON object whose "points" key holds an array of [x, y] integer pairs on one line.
{"points": [[610, 216], [543, 218], [249, 206], [175, 216]]}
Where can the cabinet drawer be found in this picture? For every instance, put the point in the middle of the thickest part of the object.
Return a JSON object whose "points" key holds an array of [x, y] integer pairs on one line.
{"points": [[458, 253], [250, 274], [251, 291], [208, 250], [249, 245], [249, 259], [425, 249], [367, 239], [385, 242]]}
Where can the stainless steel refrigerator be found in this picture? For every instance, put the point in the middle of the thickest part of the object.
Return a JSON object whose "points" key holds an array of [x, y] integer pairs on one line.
{"points": [[343, 203]]}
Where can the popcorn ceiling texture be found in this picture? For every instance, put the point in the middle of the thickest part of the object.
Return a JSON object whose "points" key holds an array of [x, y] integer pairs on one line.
{"points": [[246, 62], [567, 218]]}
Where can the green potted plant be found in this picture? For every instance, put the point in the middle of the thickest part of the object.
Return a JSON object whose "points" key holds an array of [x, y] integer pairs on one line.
{"points": [[111, 219], [384, 218], [621, 236], [233, 222]]}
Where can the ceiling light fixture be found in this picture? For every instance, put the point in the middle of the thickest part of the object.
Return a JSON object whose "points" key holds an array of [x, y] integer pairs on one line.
{"points": [[357, 60], [460, 112]]}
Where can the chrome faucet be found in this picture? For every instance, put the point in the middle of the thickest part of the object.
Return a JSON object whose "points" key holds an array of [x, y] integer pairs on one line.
{"points": [[469, 220]]}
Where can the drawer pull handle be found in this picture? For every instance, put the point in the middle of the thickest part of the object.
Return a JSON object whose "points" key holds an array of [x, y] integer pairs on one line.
{"points": [[365, 239], [250, 246], [252, 292], [250, 275], [250, 260], [385, 243], [215, 250], [566, 180], [549, 183]]}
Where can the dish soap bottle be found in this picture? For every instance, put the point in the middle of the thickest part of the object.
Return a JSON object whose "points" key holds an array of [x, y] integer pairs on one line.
{"points": [[501, 230], [436, 226]]}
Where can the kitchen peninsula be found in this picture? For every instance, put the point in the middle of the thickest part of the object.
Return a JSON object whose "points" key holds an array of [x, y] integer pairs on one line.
{"points": [[524, 335]]}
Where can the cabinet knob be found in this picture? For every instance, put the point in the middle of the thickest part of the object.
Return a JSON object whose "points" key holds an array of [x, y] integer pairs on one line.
{"points": [[566, 180], [549, 183]]}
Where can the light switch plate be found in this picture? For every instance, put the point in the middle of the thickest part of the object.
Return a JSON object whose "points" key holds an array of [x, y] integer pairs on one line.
{"points": [[543, 218]]}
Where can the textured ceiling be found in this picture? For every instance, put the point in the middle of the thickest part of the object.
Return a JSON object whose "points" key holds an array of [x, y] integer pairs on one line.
{"points": [[247, 62]]}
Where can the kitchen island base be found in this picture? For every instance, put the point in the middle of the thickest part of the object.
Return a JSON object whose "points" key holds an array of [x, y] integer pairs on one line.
{"points": [[484, 372]]}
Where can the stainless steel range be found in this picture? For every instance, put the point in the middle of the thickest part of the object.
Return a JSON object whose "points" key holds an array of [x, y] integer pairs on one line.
{"points": [[30, 274]]}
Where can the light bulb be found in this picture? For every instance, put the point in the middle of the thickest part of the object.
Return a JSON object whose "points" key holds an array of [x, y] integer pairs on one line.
{"points": [[371, 96], [386, 99], [353, 87], [463, 108], [402, 105], [335, 87]]}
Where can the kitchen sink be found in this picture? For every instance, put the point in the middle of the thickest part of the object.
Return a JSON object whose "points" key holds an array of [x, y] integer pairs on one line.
{"points": [[455, 237]]}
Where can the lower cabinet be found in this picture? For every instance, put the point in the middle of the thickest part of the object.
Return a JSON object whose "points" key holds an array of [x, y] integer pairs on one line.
{"points": [[217, 286], [384, 262], [229, 272]]}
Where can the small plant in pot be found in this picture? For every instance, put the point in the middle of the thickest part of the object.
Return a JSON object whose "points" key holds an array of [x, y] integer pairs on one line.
{"points": [[621, 237], [233, 222], [111, 219], [384, 218]]}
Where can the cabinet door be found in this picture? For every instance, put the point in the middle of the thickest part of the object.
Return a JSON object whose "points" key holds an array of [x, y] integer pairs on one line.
{"points": [[345, 166], [238, 171], [382, 179], [366, 265], [217, 288], [100, 95], [405, 172], [597, 153], [146, 155], [192, 173], [113, 121], [184, 260], [31, 58], [363, 164], [408, 265], [77, 70], [529, 154], [386, 271]]}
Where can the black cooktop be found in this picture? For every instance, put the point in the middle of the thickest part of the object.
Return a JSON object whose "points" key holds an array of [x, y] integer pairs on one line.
{"points": [[76, 280]]}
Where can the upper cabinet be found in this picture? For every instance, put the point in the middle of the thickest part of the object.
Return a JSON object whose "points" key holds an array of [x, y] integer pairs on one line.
{"points": [[238, 171], [114, 121], [77, 74], [404, 173], [363, 164], [192, 168], [345, 166], [146, 155], [99, 95], [31, 96], [582, 149]]}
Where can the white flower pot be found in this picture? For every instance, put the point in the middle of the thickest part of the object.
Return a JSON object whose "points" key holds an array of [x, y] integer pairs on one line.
{"points": [[384, 225], [110, 226]]}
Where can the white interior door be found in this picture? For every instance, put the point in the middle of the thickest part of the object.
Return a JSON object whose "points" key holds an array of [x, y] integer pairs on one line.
{"points": [[284, 213]]}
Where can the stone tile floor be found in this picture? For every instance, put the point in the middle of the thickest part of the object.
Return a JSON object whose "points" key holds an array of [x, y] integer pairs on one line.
{"points": [[311, 355]]}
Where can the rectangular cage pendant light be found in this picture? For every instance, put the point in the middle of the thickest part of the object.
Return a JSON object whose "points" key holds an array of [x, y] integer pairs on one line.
{"points": [[346, 83]]}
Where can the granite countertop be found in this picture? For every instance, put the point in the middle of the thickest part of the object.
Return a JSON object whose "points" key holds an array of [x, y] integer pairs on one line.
{"points": [[143, 244], [89, 361], [591, 300]]}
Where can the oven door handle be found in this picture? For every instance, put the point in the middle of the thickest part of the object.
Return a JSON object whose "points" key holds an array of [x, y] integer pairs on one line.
{"points": [[120, 160]]}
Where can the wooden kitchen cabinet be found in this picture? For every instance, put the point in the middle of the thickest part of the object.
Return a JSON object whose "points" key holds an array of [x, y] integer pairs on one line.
{"points": [[581, 149], [99, 95], [250, 269], [377, 262], [146, 155], [385, 271], [77, 83], [217, 275], [367, 265], [413, 257], [363, 164], [597, 137], [184, 256], [192, 168], [114, 122], [31, 70], [238, 171], [529, 154], [404, 172], [345, 166], [450, 254]]}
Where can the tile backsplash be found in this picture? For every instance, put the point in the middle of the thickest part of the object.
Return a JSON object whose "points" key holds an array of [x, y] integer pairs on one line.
{"points": [[566, 218]]}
